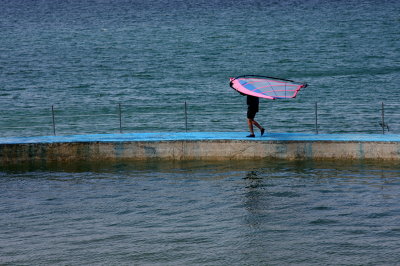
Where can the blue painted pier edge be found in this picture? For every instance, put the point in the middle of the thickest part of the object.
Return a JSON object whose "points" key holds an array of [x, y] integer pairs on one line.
{"points": [[199, 146]]}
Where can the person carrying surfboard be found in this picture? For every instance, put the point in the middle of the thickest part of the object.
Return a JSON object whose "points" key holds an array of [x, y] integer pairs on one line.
{"points": [[252, 109]]}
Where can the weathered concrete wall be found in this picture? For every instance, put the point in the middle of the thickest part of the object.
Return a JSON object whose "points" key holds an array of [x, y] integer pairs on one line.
{"points": [[197, 149]]}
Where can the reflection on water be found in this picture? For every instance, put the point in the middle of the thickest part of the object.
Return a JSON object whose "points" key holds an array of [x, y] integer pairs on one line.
{"points": [[200, 212]]}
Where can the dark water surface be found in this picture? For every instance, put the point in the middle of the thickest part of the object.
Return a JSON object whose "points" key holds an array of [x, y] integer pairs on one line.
{"points": [[206, 213]]}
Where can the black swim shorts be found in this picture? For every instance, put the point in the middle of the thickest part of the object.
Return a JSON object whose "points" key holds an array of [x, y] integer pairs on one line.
{"points": [[251, 113]]}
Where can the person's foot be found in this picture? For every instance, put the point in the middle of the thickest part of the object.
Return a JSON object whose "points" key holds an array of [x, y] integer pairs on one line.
{"points": [[250, 136], [262, 131]]}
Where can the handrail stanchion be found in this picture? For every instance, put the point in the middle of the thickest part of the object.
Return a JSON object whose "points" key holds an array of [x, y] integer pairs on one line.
{"points": [[186, 125], [54, 121], [383, 119], [120, 118], [316, 118]]}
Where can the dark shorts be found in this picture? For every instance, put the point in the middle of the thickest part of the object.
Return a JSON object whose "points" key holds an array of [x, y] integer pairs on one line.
{"points": [[251, 113]]}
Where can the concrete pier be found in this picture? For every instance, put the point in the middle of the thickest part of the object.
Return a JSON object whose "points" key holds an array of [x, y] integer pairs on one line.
{"points": [[199, 146]]}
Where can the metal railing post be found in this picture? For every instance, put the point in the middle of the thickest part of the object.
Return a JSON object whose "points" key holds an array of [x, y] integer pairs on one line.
{"points": [[54, 121], [383, 118], [120, 118], [316, 117], [186, 125]]}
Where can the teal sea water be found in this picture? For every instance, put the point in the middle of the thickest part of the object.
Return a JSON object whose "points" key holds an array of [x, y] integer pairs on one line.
{"points": [[86, 57], [94, 60]]}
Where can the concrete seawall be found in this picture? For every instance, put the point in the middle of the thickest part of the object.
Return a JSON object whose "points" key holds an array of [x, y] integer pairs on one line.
{"points": [[198, 145]]}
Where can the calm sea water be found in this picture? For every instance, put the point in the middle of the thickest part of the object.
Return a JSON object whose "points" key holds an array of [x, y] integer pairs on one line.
{"points": [[201, 213], [85, 58]]}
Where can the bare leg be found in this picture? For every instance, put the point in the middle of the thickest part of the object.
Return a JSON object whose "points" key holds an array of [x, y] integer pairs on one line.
{"points": [[257, 124], [250, 123]]}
